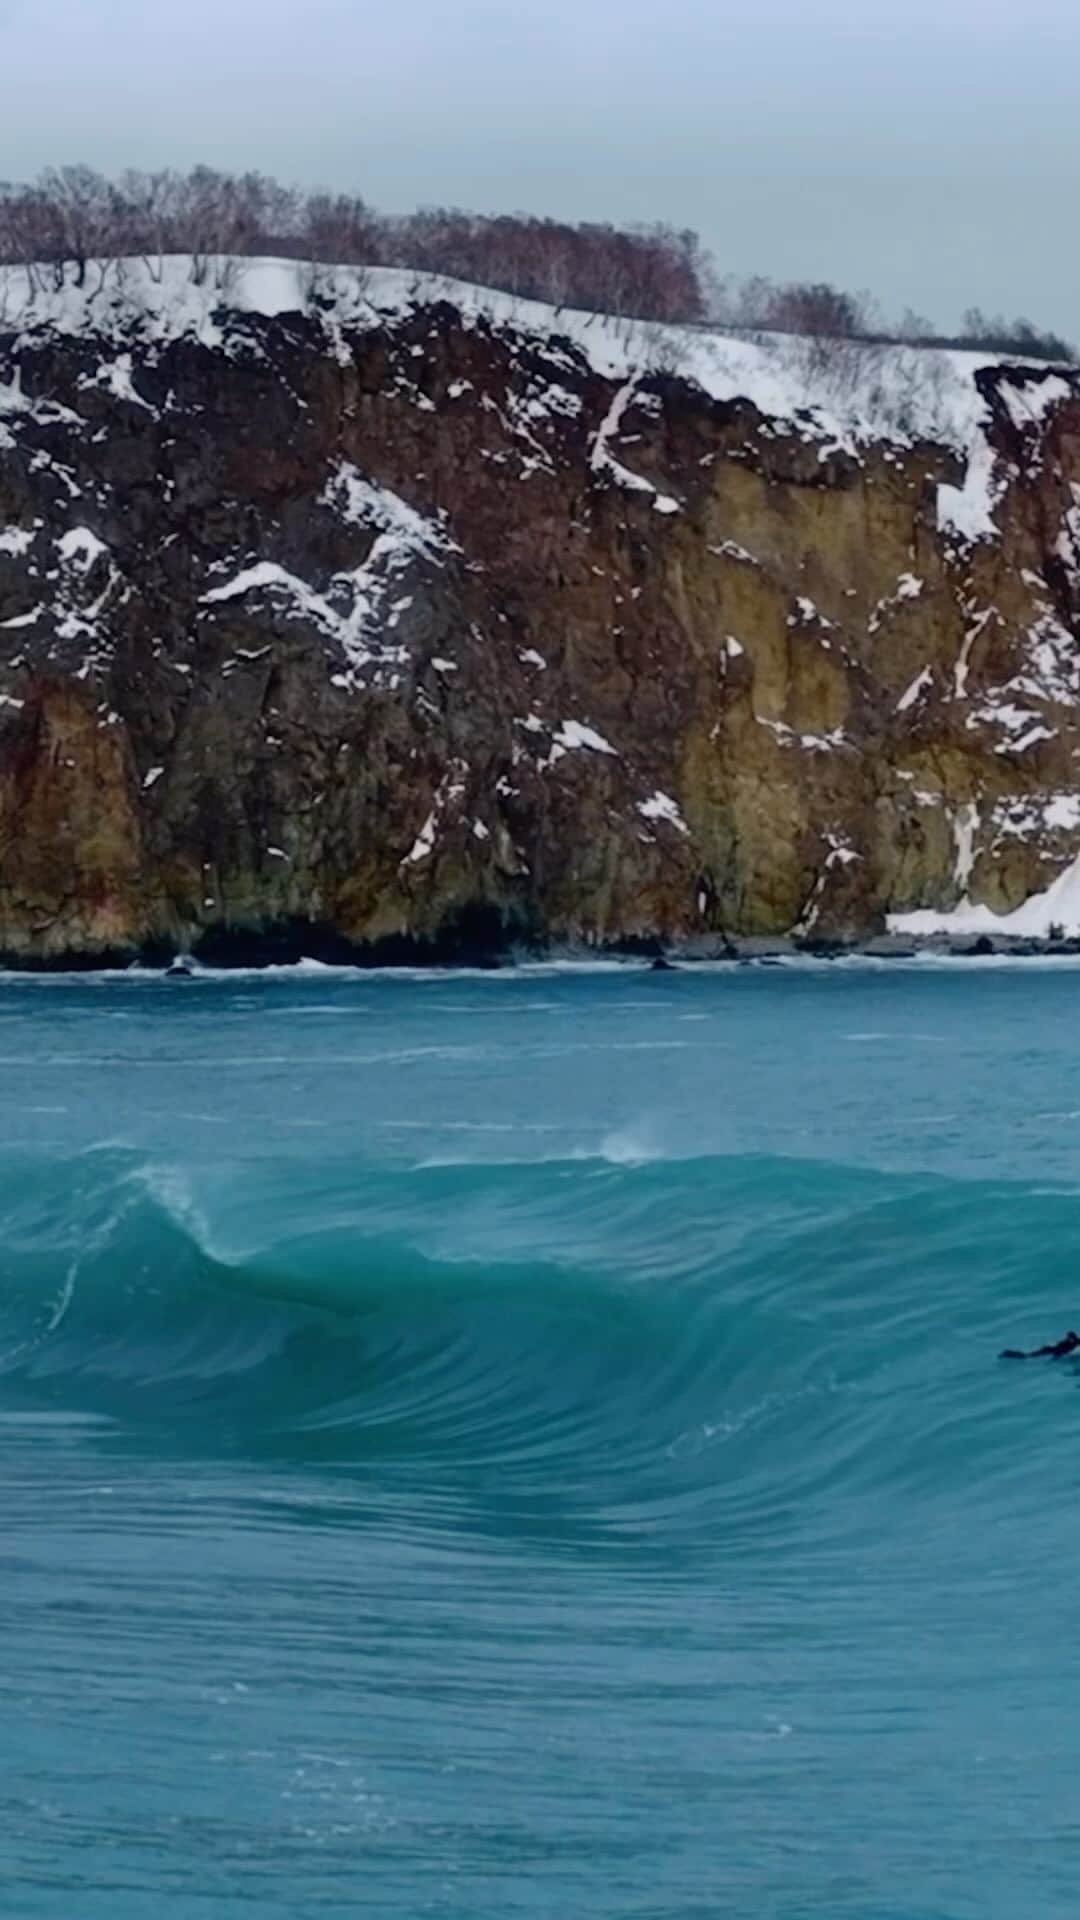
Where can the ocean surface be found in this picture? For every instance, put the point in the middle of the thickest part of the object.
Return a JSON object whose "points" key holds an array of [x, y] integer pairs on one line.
{"points": [[532, 1445]]}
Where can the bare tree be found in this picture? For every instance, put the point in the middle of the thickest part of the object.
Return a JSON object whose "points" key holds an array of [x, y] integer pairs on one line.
{"points": [[85, 207], [152, 209], [31, 236]]}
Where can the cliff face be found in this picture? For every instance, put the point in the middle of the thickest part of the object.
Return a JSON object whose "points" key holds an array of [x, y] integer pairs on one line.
{"points": [[412, 629]]}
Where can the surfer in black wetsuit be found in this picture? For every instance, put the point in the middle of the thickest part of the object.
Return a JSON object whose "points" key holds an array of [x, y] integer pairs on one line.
{"points": [[1057, 1350]]}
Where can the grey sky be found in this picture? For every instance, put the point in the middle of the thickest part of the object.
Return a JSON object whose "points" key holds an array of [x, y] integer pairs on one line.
{"points": [[927, 150]]}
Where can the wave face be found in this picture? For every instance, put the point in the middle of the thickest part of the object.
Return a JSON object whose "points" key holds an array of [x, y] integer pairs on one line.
{"points": [[536, 1444]]}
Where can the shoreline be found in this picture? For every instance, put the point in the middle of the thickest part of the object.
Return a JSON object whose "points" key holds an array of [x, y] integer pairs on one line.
{"points": [[698, 955]]}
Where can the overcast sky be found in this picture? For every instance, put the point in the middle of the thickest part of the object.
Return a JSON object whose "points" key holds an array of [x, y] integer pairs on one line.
{"points": [[928, 150]]}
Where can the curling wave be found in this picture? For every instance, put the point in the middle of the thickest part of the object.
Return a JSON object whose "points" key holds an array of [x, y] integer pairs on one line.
{"points": [[714, 1345]]}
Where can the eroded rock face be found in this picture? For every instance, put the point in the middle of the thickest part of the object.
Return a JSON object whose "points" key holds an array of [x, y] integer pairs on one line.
{"points": [[415, 637]]}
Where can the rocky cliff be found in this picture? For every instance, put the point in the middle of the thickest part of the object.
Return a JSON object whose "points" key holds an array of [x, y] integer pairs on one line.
{"points": [[364, 617]]}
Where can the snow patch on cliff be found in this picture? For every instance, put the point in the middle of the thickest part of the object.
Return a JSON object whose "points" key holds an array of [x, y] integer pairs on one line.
{"points": [[839, 854], [265, 574], [352, 624], [363, 504], [967, 510], [12, 397], [16, 541], [602, 460], [574, 734], [965, 827], [908, 587], [447, 797], [80, 548], [1030, 817], [1058, 906], [661, 806], [115, 377], [1028, 403], [570, 736], [921, 684], [359, 604], [810, 742], [1024, 819]]}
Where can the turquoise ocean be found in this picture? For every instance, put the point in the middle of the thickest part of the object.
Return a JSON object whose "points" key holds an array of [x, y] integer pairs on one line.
{"points": [[532, 1444]]}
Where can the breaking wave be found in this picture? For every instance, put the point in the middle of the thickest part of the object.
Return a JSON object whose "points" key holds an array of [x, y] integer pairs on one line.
{"points": [[620, 1345]]}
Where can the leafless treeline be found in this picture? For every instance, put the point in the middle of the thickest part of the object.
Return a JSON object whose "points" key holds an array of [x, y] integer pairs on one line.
{"points": [[72, 221], [821, 312]]}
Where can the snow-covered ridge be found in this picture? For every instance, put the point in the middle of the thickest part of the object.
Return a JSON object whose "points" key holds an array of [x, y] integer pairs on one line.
{"points": [[842, 400]]}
